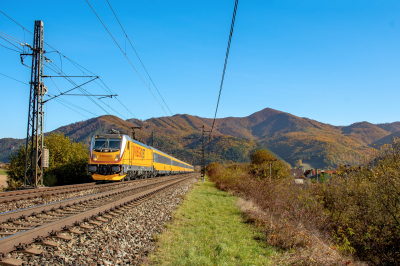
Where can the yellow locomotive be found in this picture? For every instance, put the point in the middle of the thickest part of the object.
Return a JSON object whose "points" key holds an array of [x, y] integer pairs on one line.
{"points": [[117, 157]]}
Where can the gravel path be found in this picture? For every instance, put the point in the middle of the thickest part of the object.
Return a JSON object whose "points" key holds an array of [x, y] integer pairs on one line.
{"points": [[124, 240]]}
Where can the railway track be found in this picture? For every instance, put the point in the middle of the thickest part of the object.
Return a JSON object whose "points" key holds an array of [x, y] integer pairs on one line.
{"points": [[66, 218], [51, 191]]}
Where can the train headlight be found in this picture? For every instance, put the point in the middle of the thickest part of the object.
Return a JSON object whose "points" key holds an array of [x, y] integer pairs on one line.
{"points": [[94, 157], [116, 158]]}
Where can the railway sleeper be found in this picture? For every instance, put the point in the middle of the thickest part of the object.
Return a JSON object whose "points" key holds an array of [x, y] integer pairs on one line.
{"points": [[76, 231], [12, 262]]}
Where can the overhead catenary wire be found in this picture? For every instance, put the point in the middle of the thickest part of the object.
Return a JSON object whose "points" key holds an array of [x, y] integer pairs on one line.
{"points": [[63, 100], [140, 60], [106, 88], [76, 106], [15, 22], [58, 100], [14, 79], [11, 38], [10, 48], [132, 65], [55, 50], [226, 60], [122, 51], [84, 92], [73, 83], [11, 43]]}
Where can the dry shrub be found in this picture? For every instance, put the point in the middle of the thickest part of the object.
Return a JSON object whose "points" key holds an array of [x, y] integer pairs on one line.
{"points": [[363, 204], [292, 217], [46, 197], [356, 213]]}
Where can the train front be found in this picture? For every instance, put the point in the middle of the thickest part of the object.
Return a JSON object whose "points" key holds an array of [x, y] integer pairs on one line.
{"points": [[106, 152]]}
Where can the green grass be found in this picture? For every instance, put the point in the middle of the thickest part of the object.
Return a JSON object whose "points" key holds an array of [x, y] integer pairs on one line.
{"points": [[3, 172], [208, 229]]}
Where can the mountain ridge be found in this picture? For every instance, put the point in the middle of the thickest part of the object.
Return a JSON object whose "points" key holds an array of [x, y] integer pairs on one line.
{"points": [[295, 139]]}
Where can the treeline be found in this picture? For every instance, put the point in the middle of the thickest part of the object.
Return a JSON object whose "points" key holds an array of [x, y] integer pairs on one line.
{"points": [[354, 215], [67, 163]]}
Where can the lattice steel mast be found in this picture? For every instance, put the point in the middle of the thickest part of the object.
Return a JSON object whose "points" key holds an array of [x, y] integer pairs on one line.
{"points": [[33, 175]]}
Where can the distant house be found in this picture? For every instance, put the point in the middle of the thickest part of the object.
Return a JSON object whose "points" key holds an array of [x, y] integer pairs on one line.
{"points": [[309, 173], [330, 172], [323, 175], [296, 173]]}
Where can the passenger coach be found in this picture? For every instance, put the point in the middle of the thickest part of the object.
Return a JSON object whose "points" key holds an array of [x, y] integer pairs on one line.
{"points": [[117, 157]]}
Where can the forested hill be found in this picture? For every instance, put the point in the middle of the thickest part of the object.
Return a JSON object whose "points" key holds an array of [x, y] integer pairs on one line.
{"points": [[290, 137], [170, 139], [294, 138]]}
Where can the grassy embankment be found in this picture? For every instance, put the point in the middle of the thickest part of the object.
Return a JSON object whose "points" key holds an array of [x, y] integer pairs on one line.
{"points": [[352, 217], [208, 229], [3, 172]]}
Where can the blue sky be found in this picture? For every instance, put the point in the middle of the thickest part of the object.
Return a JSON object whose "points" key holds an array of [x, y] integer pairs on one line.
{"points": [[337, 62]]}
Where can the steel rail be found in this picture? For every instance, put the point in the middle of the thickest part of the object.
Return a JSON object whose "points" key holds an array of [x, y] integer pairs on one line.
{"points": [[35, 193], [29, 191], [15, 214], [8, 244]]}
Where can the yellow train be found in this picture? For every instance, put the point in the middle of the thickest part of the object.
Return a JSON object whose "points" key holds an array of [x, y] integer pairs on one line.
{"points": [[117, 157]]}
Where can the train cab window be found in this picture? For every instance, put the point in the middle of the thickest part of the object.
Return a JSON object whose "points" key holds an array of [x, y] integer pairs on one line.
{"points": [[107, 145], [114, 143], [100, 143]]}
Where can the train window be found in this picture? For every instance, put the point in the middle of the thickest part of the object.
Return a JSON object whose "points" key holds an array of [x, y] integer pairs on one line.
{"points": [[128, 145], [106, 144], [100, 143], [114, 143]]}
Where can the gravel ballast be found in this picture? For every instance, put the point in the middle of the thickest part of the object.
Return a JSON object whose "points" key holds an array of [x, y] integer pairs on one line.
{"points": [[124, 240]]}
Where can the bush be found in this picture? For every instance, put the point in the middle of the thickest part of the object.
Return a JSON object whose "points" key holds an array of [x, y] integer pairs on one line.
{"points": [[288, 212], [357, 212], [261, 156], [67, 163], [363, 203], [265, 165]]}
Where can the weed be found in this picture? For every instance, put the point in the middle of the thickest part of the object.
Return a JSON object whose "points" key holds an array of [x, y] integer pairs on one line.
{"points": [[45, 197]]}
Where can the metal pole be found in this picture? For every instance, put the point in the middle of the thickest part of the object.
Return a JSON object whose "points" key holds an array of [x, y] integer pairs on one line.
{"points": [[270, 172], [33, 173], [203, 163]]}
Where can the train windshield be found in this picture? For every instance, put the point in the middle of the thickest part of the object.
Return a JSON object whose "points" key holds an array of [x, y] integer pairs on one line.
{"points": [[107, 145]]}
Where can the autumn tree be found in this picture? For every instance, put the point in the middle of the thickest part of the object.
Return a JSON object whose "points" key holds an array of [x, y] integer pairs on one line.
{"points": [[261, 156], [67, 162], [265, 164]]}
